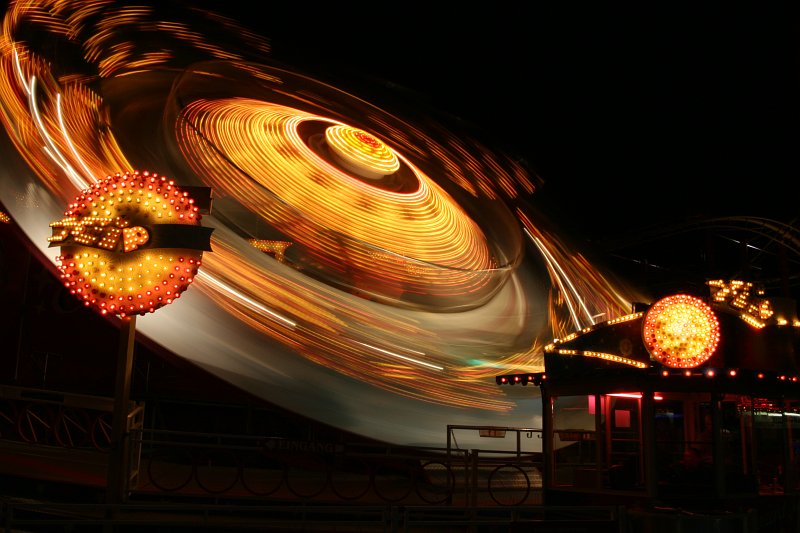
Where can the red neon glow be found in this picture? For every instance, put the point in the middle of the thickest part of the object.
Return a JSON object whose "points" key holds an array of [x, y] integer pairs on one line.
{"points": [[636, 395]]}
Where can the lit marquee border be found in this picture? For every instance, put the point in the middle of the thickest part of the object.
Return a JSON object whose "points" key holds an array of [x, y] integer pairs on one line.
{"points": [[614, 358]]}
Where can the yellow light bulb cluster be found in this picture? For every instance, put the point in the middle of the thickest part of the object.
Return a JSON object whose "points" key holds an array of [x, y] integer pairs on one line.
{"points": [[121, 278], [604, 356], [275, 248], [589, 329], [626, 318], [101, 232], [753, 321], [681, 331], [742, 296]]}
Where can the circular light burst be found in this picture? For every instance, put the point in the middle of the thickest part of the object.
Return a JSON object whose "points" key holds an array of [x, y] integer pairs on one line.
{"points": [[318, 181], [104, 236], [444, 232], [680, 331], [361, 152]]}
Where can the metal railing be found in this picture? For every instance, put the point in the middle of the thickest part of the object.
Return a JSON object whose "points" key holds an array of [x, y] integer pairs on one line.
{"points": [[177, 462], [258, 468], [386, 518]]}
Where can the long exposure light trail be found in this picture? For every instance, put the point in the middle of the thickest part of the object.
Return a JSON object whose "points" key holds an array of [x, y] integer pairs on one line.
{"points": [[71, 145], [415, 238], [50, 146], [379, 254], [558, 276], [403, 357], [233, 293]]}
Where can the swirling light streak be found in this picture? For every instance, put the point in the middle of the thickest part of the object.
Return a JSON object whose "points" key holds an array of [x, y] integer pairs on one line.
{"points": [[330, 333], [336, 332], [558, 275], [105, 155], [69, 142], [203, 277], [20, 77], [368, 156], [399, 356], [50, 146], [583, 282], [417, 241]]}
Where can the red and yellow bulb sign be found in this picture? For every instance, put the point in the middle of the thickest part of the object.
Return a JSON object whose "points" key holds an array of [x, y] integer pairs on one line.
{"points": [[130, 244], [681, 331]]}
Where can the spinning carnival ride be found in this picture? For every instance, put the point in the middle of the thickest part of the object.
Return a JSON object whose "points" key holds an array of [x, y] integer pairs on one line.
{"points": [[368, 269]]}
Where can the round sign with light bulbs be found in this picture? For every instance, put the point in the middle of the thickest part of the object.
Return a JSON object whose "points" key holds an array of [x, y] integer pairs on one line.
{"points": [[680, 331], [130, 244]]}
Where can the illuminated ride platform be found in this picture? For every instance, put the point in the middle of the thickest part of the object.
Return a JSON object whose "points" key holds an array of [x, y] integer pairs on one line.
{"points": [[386, 257], [689, 402]]}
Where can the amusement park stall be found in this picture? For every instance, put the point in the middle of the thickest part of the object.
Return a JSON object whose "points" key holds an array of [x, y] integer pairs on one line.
{"points": [[690, 403]]}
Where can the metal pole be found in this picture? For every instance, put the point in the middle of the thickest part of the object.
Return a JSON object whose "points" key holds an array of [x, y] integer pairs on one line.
{"points": [[717, 448], [117, 487], [648, 442], [547, 443]]}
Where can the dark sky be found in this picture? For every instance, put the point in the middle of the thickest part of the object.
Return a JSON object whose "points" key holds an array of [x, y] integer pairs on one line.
{"points": [[634, 113], [628, 113]]}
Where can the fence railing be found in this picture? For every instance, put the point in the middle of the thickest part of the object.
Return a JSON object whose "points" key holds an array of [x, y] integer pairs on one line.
{"points": [[184, 464], [395, 519], [258, 467]]}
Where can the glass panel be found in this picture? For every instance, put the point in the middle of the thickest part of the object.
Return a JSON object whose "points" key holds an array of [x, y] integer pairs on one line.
{"points": [[574, 441], [684, 443], [669, 437], [624, 458], [793, 432], [769, 444], [736, 434]]}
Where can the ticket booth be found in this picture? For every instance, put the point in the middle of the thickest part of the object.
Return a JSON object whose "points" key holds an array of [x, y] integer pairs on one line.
{"points": [[690, 401]]}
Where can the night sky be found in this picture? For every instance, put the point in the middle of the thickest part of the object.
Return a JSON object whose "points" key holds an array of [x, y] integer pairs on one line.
{"points": [[630, 115], [634, 117]]}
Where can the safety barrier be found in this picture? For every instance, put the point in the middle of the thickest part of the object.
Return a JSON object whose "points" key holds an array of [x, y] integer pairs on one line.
{"points": [[179, 464], [192, 517], [237, 466]]}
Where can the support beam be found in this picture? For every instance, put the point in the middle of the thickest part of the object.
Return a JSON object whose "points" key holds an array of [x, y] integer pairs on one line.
{"points": [[118, 458]]}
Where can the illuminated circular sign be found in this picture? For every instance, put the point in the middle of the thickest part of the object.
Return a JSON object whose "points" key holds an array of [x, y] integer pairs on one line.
{"points": [[130, 244], [680, 331]]}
